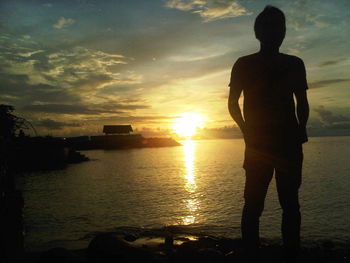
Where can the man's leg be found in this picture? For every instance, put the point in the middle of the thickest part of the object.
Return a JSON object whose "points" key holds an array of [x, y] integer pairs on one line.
{"points": [[256, 185], [288, 182]]}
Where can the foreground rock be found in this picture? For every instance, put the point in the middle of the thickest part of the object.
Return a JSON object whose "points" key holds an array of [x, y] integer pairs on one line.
{"points": [[169, 247]]}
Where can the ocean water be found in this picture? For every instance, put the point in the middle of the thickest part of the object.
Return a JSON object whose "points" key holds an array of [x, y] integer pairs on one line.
{"points": [[197, 185]]}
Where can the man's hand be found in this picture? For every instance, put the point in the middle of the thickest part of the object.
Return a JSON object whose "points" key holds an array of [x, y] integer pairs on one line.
{"points": [[302, 134], [302, 104]]}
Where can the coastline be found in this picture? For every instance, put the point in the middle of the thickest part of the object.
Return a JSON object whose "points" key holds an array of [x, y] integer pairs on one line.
{"points": [[168, 244]]}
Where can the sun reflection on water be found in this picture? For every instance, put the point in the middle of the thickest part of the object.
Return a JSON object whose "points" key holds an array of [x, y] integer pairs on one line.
{"points": [[192, 202]]}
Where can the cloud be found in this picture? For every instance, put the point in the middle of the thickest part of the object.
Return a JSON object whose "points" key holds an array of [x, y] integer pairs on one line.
{"points": [[82, 69], [63, 22], [61, 109], [53, 87], [209, 10], [330, 119], [81, 109], [47, 5], [326, 83], [301, 14], [58, 75], [183, 5], [131, 119], [330, 62], [54, 125], [179, 56], [194, 57], [30, 53], [329, 123]]}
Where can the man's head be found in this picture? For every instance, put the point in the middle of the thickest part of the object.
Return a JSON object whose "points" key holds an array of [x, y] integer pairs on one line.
{"points": [[270, 26]]}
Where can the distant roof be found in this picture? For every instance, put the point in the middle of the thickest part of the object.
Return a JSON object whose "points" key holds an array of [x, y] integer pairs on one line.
{"points": [[112, 129]]}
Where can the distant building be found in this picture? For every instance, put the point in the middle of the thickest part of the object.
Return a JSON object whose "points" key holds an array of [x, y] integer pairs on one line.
{"points": [[117, 129]]}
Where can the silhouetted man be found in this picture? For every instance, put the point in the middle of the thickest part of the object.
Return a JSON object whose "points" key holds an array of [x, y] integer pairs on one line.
{"points": [[273, 131]]}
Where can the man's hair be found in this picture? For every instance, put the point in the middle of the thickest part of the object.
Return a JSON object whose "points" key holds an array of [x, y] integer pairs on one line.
{"points": [[271, 22]]}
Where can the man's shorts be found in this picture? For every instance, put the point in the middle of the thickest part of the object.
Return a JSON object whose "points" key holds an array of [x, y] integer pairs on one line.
{"points": [[284, 158]]}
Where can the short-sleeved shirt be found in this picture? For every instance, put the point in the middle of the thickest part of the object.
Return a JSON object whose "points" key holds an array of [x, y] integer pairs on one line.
{"points": [[268, 83]]}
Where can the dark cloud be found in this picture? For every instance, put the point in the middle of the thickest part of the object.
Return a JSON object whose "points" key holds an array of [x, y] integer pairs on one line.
{"points": [[326, 83], [342, 126], [115, 89], [18, 86], [328, 123], [126, 106], [330, 62], [60, 109], [315, 123], [12, 79], [59, 81], [54, 125], [74, 109], [130, 119], [330, 119]]}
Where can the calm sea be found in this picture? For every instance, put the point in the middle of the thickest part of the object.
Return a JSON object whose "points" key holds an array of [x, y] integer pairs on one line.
{"points": [[199, 184]]}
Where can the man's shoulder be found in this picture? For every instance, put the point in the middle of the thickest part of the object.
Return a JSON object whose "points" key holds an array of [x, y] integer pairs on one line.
{"points": [[252, 58], [291, 59], [246, 60]]}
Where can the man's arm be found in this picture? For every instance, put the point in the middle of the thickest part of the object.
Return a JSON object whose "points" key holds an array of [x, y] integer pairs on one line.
{"points": [[302, 108], [233, 107], [302, 102], [235, 92], [302, 113]]}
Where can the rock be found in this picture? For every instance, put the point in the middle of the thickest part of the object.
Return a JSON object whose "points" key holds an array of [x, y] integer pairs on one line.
{"points": [[188, 246], [231, 254], [109, 248], [328, 245], [210, 255], [169, 241], [59, 255], [207, 242], [199, 251], [226, 245], [130, 237], [159, 257]]}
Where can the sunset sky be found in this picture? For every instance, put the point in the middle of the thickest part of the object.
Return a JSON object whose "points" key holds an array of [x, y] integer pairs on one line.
{"points": [[71, 66]]}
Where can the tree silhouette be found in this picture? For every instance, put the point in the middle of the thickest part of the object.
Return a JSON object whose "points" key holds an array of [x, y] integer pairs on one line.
{"points": [[11, 125], [11, 200]]}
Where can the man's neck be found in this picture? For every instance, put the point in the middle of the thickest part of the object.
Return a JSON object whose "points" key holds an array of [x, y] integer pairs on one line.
{"points": [[268, 50]]}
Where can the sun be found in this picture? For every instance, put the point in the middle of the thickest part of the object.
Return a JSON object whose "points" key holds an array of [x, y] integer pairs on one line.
{"points": [[186, 125]]}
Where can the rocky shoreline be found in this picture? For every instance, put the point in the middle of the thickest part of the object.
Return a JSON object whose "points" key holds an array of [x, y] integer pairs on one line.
{"points": [[114, 142], [165, 246], [30, 154]]}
